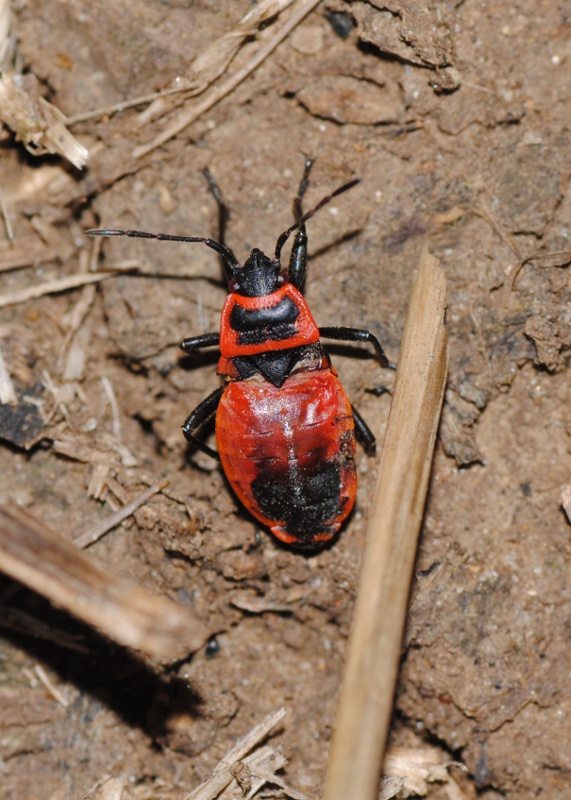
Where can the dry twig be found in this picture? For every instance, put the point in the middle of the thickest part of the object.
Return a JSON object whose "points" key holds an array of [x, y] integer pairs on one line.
{"points": [[52, 287], [248, 773], [375, 644], [93, 535], [49, 564]]}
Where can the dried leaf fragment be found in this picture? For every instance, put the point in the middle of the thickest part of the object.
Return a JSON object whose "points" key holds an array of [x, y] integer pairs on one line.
{"points": [[38, 124], [417, 766]]}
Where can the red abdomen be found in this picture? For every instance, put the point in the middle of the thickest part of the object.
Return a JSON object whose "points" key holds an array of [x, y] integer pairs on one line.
{"points": [[289, 453]]}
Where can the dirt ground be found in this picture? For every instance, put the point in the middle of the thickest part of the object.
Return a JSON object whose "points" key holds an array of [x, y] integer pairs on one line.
{"points": [[457, 117]]}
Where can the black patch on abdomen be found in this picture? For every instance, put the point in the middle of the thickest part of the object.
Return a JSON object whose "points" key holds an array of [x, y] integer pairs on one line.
{"points": [[306, 503]]}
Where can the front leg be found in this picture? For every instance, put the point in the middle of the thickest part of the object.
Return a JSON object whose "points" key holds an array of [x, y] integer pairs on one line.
{"points": [[358, 335], [203, 412], [205, 340]]}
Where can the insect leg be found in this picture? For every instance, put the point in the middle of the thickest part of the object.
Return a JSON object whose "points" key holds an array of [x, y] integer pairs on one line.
{"points": [[358, 335], [203, 412], [364, 434], [204, 340]]}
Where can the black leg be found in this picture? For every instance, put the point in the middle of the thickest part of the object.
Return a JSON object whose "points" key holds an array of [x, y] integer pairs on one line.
{"points": [[298, 257], [202, 413], [223, 217], [205, 340], [363, 433], [358, 335]]}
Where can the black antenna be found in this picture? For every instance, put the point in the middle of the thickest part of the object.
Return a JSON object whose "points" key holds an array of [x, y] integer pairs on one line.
{"points": [[286, 234], [224, 251]]}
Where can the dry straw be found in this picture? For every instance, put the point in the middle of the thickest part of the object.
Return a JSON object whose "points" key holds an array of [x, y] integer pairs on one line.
{"points": [[375, 643]]}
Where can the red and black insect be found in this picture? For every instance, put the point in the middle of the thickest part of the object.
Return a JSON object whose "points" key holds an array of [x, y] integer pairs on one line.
{"points": [[285, 429]]}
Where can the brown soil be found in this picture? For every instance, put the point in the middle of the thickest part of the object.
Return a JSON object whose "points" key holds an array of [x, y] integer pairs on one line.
{"points": [[457, 117]]}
